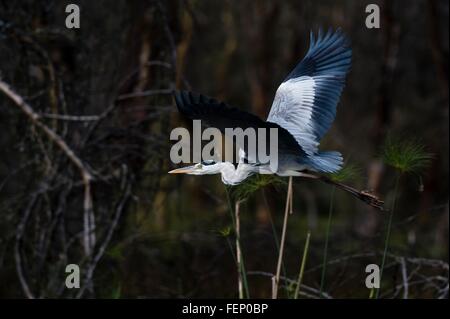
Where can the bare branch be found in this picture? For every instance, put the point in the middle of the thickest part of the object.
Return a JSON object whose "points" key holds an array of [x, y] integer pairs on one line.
{"points": [[17, 249], [404, 277], [291, 281], [144, 93], [54, 137], [118, 212], [73, 118]]}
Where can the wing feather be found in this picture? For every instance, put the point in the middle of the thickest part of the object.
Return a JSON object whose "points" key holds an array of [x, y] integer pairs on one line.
{"points": [[221, 116], [305, 103]]}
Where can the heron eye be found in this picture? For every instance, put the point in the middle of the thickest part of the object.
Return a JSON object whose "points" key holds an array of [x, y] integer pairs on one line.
{"points": [[208, 162]]}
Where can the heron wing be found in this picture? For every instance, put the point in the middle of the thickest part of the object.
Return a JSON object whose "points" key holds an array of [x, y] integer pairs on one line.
{"points": [[221, 116], [305, 103]]}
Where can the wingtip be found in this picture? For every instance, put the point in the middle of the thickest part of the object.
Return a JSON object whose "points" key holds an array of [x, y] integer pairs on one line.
{"points": [[331, 39], [330, 33], [312, 39], [319, 34]]}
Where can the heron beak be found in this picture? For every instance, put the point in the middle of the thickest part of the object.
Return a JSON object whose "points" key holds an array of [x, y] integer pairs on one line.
{"points": [[182, 170]]}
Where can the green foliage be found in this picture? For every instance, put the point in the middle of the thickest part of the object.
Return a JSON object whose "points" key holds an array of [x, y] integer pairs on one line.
{"points": [[406, 156], [116, 252], [117, 292], [290, 288], [225, 232], [253, 184], [349, 172]]}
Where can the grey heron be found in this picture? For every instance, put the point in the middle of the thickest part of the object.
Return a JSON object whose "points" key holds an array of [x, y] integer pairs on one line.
{"points": [[303, 110]]}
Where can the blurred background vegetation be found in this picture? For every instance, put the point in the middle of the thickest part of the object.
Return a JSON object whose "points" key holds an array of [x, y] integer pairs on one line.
{"points": [[105, 90]]}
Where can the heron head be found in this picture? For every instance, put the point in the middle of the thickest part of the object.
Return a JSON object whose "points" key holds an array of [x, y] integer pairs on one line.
{"points": [[205, 167]]}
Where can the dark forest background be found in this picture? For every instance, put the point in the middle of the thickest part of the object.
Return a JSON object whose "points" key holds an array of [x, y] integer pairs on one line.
{"points": [[138, 232]]}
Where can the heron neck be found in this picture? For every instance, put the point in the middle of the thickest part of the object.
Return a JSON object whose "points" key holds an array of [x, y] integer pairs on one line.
{"points": [[232, 175]]}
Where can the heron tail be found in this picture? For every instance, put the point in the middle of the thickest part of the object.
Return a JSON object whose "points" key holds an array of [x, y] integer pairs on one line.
{"points": [[327, 162]]}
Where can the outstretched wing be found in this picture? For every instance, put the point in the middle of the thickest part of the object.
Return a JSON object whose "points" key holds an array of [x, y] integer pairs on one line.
{"points": [[221, 116], [305, 103], [214, 113]]}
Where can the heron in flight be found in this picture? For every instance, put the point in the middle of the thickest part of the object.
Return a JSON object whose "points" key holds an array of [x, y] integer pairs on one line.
{"points": [[303, 110]]}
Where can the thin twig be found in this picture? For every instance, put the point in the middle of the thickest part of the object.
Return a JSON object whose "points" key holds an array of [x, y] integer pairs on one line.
{"points": [[327, 238], [126, 185], [388, 232], [17, 248], [290, 281], [404, 277], [143, 93], [238, 250], [73, 118], [302, 267], [283, 238], [241, 269]]}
